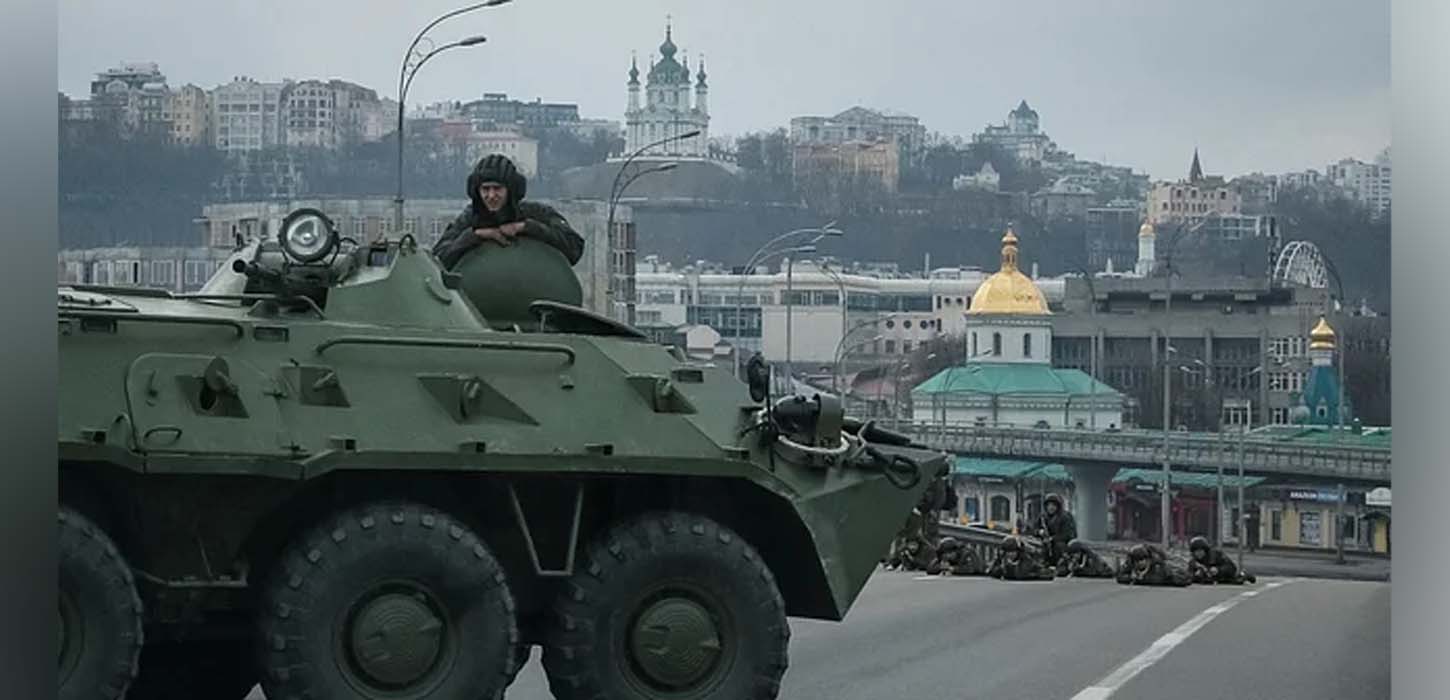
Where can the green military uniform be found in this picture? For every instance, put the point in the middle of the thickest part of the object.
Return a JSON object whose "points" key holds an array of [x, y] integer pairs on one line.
{"points": [[1080, 561], [1207, 564], [954, 558], [540, 221], [1016, 562], [1149, 565]]}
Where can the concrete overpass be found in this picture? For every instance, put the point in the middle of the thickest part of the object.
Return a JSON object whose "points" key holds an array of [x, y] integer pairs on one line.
{"points": [[1094, 457]]}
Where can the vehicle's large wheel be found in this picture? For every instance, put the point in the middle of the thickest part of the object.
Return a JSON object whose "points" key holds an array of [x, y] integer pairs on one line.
{"points": [[100, 613], [668, 605], [195, 669], [392, 601]]}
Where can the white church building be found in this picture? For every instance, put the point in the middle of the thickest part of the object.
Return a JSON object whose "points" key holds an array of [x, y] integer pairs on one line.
{"points": [[668, 110]]}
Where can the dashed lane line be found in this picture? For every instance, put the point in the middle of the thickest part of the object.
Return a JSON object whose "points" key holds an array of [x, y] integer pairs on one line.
{"points": [[1110, 683]]}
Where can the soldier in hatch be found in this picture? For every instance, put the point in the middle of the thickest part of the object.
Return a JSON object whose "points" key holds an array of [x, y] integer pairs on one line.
{"points": [[953, 558], [1056, 527], [1082, 562], [1149, 565], [497, 214], [1210, 565], [1015, 561]]}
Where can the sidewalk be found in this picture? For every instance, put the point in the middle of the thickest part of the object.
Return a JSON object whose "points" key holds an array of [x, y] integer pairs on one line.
{"points": [[1292, 563]]}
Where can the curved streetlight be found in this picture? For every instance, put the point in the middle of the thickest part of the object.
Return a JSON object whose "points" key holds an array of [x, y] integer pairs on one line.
{"points": [[807, 249], [840, 354], [761, 255], [414, 60], [405, 81], [615, 190]]}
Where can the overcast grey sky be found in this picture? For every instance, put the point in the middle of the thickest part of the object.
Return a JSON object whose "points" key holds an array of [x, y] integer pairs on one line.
{"points": [[1266, 85]]}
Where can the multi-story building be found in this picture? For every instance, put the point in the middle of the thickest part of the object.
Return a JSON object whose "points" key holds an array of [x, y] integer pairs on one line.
{"points": [[877, 160], [246, 115], [1020, 136], [892, 315], [307, 115], [497, 108], [177, 269], [1063, 199], [667, 111], [859, 124], [1238, 353], [1193, 200], [188, 112], [603, 269], [1367, 183]]}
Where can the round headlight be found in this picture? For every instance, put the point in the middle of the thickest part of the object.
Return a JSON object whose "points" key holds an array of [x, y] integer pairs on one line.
{"points": [[307, 236]]}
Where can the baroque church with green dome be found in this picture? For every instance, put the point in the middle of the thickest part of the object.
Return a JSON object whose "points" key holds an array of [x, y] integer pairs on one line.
{"points": [[667, 110]]}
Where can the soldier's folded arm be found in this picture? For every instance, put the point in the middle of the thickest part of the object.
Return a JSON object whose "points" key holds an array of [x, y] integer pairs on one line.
{"points": [[547, 225], [456, 240]]}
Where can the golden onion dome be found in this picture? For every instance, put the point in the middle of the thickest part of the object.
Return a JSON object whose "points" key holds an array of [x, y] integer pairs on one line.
{"points": [[1146, 230], [1322, 337], [1008, 291]]}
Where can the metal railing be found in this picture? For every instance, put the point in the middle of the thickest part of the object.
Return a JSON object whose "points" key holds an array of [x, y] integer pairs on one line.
{"points": [[1187, 451]]}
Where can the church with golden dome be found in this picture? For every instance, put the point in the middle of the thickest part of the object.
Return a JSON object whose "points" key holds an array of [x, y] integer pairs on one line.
{"points": [[1008, 377]]}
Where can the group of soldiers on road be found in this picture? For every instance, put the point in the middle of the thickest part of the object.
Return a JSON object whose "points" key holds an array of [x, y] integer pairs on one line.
{"points": [[1053, 551]]}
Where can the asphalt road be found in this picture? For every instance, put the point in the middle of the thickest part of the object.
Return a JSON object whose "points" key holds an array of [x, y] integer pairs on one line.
{"points": [[912, 636]]}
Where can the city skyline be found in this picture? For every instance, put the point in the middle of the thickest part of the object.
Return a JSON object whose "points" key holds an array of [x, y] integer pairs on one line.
{"points": [[1269, 72]]}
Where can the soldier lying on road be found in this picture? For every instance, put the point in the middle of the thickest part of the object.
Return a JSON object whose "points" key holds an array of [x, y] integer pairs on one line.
{"points": [[1148, 565], [1016, 562], [1210, 565], [953, 558], [1080, 561]]}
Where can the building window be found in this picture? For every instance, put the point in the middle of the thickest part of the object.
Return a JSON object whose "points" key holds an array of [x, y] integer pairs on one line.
{"points": [[1348, 522], [906, 347], [1027, 345], [1279, 416], [1001, 509], [1276, 525], [974, 343], [996, 344], [163, 273], [890, 347], [1310, 524]]}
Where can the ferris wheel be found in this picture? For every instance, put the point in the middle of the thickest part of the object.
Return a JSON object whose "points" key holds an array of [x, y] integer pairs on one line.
{"points": [[1301, 263]]}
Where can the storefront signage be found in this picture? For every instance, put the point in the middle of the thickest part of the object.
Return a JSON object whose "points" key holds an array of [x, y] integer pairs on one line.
{"points": [[1317, 496], [1378, 497]]}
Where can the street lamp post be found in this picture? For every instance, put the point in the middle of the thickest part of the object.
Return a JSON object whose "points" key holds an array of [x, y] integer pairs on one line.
{"points": [[412, 61], [761, 255]]}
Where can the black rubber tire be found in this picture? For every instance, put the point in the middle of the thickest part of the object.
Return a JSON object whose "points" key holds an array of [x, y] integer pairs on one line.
{"points": [[196, 669], [327, 571], [98, 598], [586, 654]]}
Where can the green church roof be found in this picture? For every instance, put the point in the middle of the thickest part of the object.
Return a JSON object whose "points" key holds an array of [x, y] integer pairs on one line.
{"points": [[1010, 378]]}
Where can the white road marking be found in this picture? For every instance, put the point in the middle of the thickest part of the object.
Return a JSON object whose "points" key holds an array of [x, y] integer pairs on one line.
{"points": [[1110, 683]]}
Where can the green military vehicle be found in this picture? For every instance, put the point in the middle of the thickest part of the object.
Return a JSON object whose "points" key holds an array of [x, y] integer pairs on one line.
{"points": [[341, 471]]}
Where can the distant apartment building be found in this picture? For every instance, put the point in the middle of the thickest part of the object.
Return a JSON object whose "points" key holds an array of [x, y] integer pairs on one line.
{"points": [[188, 112], [308, 111], [1192, 200], [496, 107], [1064, 199], [246, 115], [860, 124], [1366, 183], [878, 160], [177, 269]]}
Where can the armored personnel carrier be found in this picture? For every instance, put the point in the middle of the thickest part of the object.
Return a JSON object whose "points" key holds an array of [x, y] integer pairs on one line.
{"points": [[341, 471]]}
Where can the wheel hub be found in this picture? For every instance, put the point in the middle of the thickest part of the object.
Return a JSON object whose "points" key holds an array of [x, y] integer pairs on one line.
{"points": [[397, 639], [675, 643]]}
